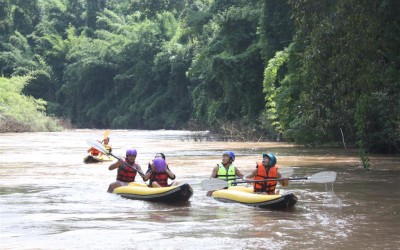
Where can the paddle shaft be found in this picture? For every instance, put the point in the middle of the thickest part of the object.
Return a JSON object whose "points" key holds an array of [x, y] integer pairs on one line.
{"points": [[102, 149], [273, 179], [322, 177], [285, 173]]}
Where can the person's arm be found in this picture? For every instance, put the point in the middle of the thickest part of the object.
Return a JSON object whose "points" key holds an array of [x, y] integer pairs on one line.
{"points": [[149, 173], [139, 170], [115, 165], [214, 172], [284, 182], [238, 173], [252, 174], [170, 174]]}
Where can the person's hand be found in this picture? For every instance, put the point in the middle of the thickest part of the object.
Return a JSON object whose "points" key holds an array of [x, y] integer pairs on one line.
{"points": [[153, 167], [244, 179], [285, 182]]}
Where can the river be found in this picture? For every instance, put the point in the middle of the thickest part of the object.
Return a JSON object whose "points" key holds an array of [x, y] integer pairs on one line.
{"points": [[50, 199]]}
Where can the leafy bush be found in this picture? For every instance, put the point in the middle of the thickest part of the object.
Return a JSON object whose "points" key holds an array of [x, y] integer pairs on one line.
{"points": [[20, 113]]}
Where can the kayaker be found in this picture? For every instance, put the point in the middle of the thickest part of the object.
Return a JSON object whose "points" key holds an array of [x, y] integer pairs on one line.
{"points": [[159, 173], [94, 152], [107, 145], [126, 170], [225, 170], [265, 170]]}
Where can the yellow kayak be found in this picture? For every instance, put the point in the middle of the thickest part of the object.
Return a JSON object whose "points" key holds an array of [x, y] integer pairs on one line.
{"points": [[95, 159], [245, 195], [140, 191]]}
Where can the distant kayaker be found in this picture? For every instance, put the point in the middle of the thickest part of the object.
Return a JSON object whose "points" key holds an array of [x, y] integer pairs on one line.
{"points": [[158, 173], [225, 170], [107, 145], [94, 152], [127, 170], [267, 169]]}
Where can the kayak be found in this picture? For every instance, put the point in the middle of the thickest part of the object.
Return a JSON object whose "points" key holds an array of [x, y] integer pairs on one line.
{"points": [[95, 159], [245, 195], [140, 191]]}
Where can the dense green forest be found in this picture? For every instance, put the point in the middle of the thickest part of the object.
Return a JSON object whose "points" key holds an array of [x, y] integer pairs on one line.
{"points": [[309, 72]]}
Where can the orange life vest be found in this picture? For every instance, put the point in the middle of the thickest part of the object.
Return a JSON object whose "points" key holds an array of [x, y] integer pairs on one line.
{"points": [[262, 174], [94, 152], [126, 173], [161, 178]]}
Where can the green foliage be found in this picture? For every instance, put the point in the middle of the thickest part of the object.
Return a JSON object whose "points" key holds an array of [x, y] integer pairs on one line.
{"points": [[337, 75], [20, 113], [276, 27], [270, 116], [311, 72], [229, 68]]}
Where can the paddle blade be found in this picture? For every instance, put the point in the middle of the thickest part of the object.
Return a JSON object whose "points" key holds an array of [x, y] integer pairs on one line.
{"points": [[213, 184], [97, 145], [286, 172], [323, 177], [106, 133]]}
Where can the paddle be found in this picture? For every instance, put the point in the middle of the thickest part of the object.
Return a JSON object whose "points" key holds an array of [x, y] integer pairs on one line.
{"points": [[97, 145], [285, 173], [321, 177], [106, 133]]}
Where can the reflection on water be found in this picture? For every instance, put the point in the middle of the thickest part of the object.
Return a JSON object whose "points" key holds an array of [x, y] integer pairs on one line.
{"points": [[49, 199]]}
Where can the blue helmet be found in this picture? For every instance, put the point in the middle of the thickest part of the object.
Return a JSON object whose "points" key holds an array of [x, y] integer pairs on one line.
{"points": [[131, 152], [230, 153], [272, 159]]}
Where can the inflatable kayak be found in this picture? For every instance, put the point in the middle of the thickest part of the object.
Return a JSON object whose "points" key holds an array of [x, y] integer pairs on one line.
{"points": [[245, 195], [95, 159], [140, 191]]}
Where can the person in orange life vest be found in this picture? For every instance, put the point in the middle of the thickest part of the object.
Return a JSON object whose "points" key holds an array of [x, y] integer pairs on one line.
{"points": [[125, 173], [225, 170], [95, 152], [265, 170], [159, 174]]}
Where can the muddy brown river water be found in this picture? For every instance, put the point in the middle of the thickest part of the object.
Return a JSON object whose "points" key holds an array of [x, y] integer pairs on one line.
{"points": [[50, 199]]}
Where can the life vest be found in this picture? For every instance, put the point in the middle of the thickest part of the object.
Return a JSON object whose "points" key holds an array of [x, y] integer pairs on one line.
{"points": [[161, 178], [126, 173], [226, 175], [262, 174], [108, 148], [94, 152]]}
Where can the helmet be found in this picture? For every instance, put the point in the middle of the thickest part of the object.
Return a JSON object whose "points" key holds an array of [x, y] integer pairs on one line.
{"points": [[272, 159], [160, 164], [230, 153], [131, 152]]}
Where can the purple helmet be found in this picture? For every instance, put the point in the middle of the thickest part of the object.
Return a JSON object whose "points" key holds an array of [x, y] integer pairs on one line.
{"points": [[131, 152], [160, 164]]}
